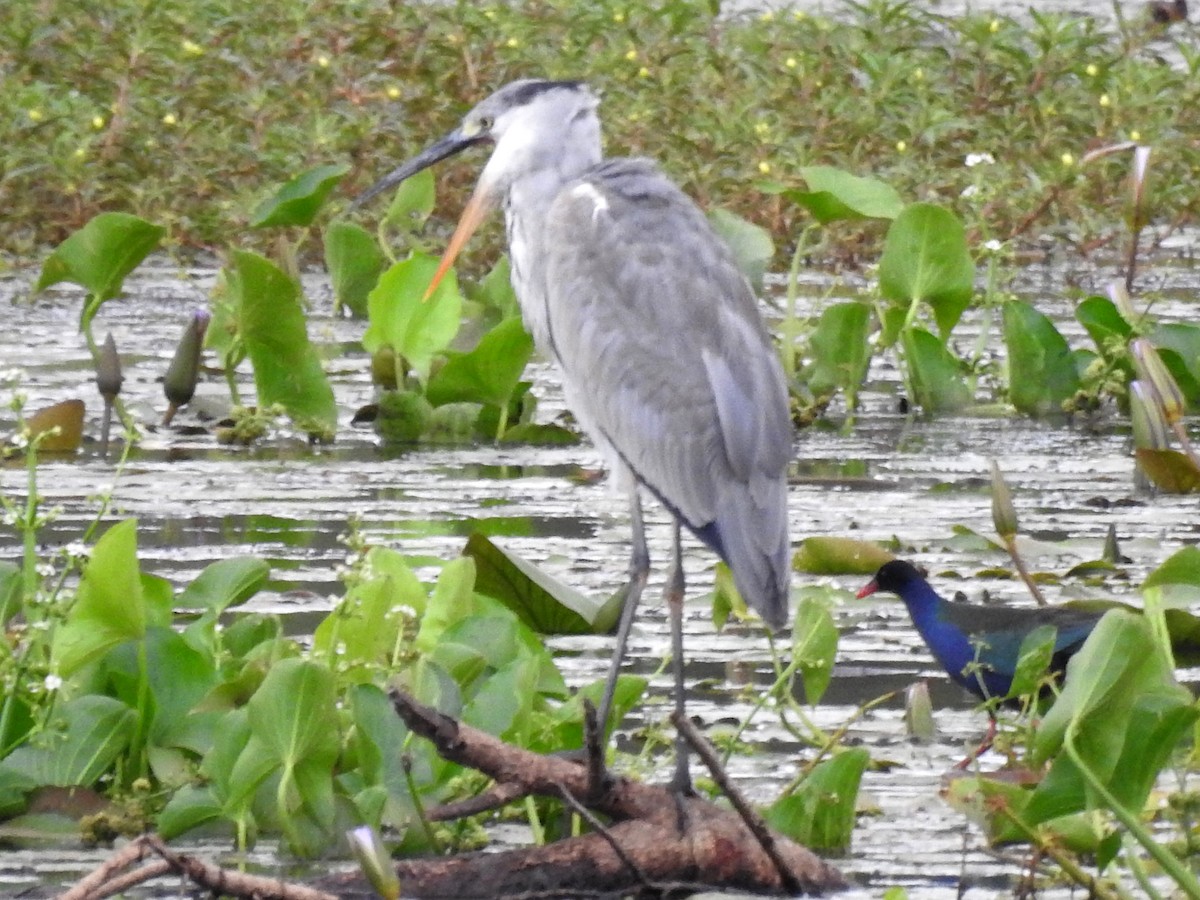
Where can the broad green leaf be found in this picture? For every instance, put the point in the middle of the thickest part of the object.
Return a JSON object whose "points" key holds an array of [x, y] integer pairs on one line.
{"points": [[504, 701], [1033, 659], [496, 291], [453, 599], [364, 628], [814, 647], [189, 807], [400, 316], [293, 712], [299, 201], [1041, 370], [83, 741], [826, 555], [287, 369], [413, 202], [839, 350], [11, 590], [109, 608], [935, 375], [225, 583], [925, 258], [1178, 577], [355, 262], [178, 676], [487, 374], [1104, 323], [541, 601], [835, 194], [98, 256], [751, 244], [821, 813], [1178, 345]]}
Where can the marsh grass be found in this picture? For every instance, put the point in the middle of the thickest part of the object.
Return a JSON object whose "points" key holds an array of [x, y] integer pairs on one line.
{"points": [[187, 113]]}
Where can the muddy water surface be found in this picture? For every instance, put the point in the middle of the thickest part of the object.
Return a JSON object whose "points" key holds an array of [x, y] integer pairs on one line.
{"points": [[887, 477]]}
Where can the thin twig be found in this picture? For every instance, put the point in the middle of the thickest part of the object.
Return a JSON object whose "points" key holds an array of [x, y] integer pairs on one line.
{"points": [[599, 828], [753, 820], [493, 798]]}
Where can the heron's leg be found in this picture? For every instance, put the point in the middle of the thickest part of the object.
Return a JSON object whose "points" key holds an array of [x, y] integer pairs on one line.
{"points": [[682, 781], [639, 571]]}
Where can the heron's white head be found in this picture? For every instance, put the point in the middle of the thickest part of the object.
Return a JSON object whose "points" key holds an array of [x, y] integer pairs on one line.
{"points": [[542, 130]]}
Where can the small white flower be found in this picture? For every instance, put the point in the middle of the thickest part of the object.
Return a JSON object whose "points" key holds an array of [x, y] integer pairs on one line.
{"points": [[45, 569], [78, 549], [52, 683], [979, 159], [993, 245], [970, 190]]}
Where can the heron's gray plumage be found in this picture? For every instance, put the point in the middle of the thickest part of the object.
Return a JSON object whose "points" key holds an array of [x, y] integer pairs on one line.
{"points": [[664, 356], [666, 360]]}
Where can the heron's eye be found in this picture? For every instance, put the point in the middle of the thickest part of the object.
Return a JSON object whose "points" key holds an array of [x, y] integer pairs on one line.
{"points": [[485, 123]]}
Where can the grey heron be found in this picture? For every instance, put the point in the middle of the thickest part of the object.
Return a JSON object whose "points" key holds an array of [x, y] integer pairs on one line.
{"points": [[665, 360]]}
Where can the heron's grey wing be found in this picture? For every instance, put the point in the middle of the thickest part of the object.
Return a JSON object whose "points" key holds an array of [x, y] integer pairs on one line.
{"points": [[666, 358]]}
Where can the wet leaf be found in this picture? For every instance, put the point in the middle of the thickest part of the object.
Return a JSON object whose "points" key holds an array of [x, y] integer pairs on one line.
{"points": [[925, 258], [839, 350], [1122, 703], [825, 555], [934, 372], [814, 647], [452, 600], [412, 202], [541, 601], [834, 194], [287, 369], [416, 328], [98, 256], [489, 373], [1104, 323], [1042, 372], [1178, 576], [109, 608], [750, 244], [355, 262], [1033, 660], [1170, 470], [299, 200], [81, 743], [225, 583], [1178, 344], [495, 290], [67, 417], [820, 814], [727, 601]]}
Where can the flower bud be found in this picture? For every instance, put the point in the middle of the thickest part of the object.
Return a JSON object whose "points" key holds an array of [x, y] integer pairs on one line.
{"points": [[1145, 413], [1004, 515], [179, 384], [108, 370], [1152, 371], [375, 861]]}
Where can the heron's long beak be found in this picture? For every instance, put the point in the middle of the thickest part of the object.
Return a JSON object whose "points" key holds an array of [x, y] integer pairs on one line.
{"points": [[452, 143], [477, 207]]}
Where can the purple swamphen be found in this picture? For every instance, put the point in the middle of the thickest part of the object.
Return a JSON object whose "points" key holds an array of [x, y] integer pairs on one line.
{"points": [[979, 646]]}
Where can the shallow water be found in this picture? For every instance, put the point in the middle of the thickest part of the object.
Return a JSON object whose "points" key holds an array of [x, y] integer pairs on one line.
{"points": [[888, 477]]}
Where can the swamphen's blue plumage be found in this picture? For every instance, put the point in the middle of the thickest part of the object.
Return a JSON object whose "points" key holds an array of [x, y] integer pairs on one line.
{"points": [[960, 634]]}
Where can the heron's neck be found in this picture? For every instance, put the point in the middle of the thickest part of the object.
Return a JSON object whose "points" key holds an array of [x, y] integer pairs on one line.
{"points": [[526, 205]]}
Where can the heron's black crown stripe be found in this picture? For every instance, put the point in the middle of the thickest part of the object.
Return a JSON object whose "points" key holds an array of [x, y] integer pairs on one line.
{"points": [[527, 92]]}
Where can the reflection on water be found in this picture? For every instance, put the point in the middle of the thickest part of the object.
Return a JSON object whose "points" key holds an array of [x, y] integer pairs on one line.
{"points": [[888, 479]]}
